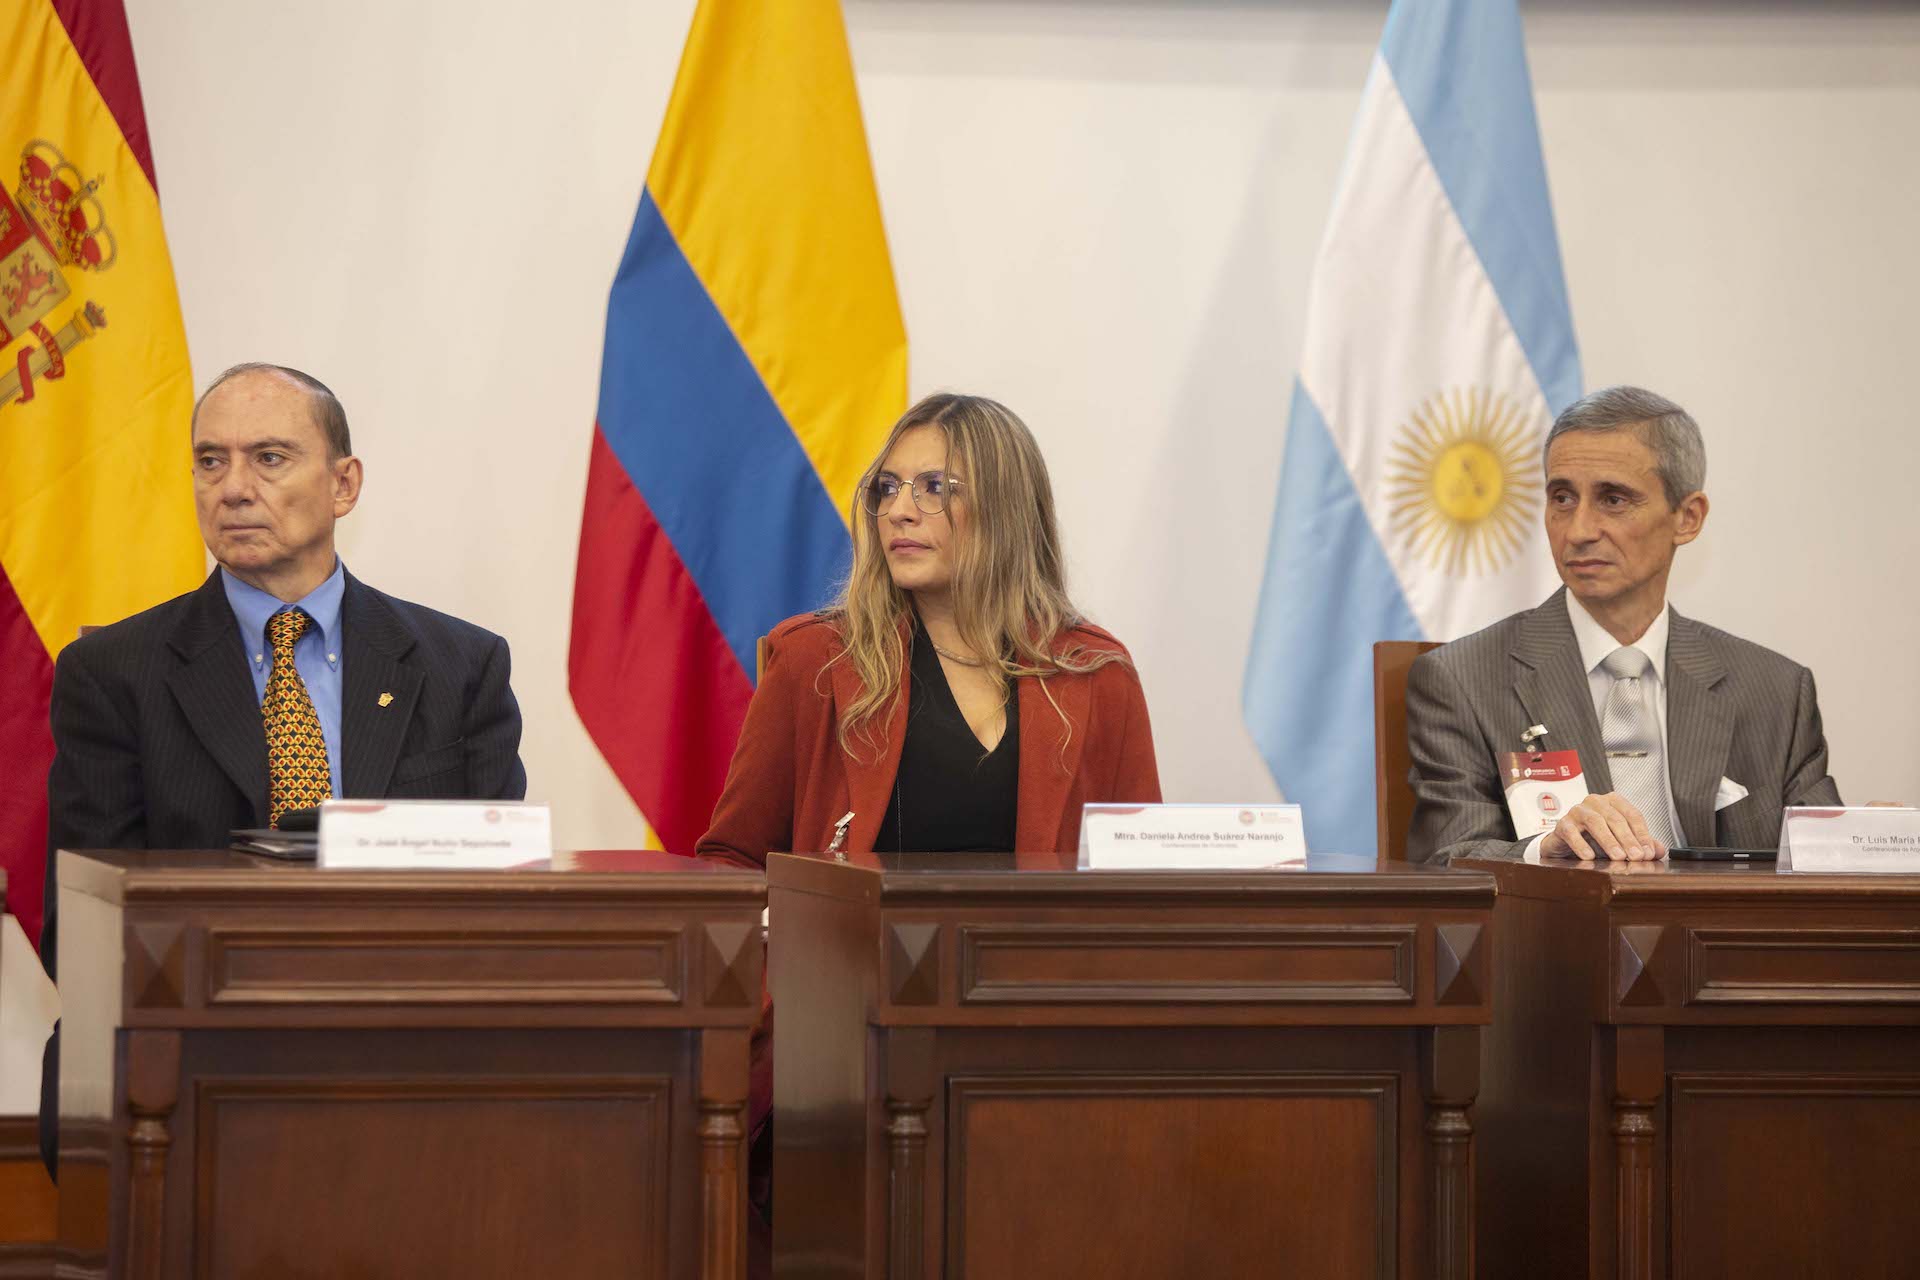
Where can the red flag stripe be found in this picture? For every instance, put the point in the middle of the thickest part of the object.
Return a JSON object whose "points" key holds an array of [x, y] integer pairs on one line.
{"points": [[651, 673], [26, 753], [98, 29]]}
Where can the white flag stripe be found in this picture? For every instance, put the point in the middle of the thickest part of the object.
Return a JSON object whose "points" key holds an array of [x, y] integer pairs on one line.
{"points": [[1397, 266], [1411, 498]]}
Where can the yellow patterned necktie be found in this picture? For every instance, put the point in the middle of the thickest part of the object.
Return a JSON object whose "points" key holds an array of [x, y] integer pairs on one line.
{"points": [[297, 775]]}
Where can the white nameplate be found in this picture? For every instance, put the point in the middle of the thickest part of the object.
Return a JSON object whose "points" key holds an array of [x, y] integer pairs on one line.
{"points": [[1149, 837], [455, 834], [1867, 839]]}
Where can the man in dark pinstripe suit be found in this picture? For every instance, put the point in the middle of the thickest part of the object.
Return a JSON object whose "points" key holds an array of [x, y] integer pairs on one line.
{"points": [[158, 729], [1685, 734]]}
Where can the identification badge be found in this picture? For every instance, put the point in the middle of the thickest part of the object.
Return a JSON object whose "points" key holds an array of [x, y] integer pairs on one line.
{"points": [[1541, 787]]}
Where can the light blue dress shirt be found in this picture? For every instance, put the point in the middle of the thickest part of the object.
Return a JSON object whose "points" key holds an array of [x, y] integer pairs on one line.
{"points": [[316, 655]]}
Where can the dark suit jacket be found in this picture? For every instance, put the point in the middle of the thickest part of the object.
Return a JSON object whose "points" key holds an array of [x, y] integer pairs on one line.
{"points": [[159, 742], [1734, 710]]}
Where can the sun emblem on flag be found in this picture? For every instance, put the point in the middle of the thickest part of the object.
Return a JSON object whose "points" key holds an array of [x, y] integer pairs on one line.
{"points": [[1462, 482]]}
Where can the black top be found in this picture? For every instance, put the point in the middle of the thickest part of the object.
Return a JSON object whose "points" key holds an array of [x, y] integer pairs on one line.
{"points": [[950, 796]]}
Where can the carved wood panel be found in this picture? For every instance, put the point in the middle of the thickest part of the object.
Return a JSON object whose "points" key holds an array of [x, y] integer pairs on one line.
{"points": [[1450, 1080], [1638, 1069], [1638, 965], [913, 962], [1172, 1174], [153, 1090], [1189, 963], [254, 966], [1775, 1174], [517, 1164], [723, 1152], [1459, 963], [156, 964], [1803, 966], [731, 953]]}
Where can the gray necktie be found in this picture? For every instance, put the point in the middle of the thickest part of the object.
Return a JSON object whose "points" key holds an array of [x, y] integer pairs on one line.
{"points": [[1632, 739]]}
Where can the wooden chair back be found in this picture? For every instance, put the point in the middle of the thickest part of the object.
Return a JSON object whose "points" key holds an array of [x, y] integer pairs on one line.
{"points": [[1392, 759]]}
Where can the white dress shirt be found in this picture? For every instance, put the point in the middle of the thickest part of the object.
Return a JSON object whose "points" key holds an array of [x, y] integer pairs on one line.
{"points": [[1595, 644]]}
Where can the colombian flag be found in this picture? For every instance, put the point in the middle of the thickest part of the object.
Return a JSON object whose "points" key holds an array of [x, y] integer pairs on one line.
{"points": [[96, 493], [755, 358]]}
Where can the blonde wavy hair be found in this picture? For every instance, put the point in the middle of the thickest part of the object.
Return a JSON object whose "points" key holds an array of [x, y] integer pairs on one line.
{"points": [[1009, 591]]}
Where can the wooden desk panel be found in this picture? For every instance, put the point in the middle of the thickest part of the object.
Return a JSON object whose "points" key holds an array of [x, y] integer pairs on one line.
{"points": [[28, 1205], [27, 1199], [1005, 1068], [1701, 1070], [279, 1070]]}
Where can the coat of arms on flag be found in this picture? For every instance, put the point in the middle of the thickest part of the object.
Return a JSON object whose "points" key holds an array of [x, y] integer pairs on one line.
{"points": [[53, 222]]}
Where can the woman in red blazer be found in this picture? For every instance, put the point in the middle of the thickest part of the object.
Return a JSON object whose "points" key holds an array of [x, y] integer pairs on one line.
{"points": [[952, 698], [956, 574]]}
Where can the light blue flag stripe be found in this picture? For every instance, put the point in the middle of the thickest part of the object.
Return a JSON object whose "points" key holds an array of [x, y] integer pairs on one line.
{"points": [[1461, 68], [1330, 590], [1309, 691]]}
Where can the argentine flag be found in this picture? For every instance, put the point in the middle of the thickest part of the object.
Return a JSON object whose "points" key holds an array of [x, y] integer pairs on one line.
{"points": [[1439, 347]]}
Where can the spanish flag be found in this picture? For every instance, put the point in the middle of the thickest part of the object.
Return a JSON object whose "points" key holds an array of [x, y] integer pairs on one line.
{"points": [[96, 489], [755, 359]]}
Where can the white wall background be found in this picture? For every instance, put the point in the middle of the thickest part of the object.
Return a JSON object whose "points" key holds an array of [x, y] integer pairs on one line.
{"points": [[1104, 213]]}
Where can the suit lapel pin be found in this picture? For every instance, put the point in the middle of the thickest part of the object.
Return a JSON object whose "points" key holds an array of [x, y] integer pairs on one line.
{"points": [[386, 699]]}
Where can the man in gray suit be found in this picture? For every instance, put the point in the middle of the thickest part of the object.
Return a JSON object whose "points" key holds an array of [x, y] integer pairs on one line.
{"points": [[1686, 735]]}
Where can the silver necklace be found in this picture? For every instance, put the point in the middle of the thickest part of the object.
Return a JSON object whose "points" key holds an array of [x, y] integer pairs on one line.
{"points": [[954, 657]]}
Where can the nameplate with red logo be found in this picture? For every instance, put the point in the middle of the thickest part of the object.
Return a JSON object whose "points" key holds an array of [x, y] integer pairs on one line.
{"points": [[425, 834], [1541, 787], [1858, 840], [1184, 837]]}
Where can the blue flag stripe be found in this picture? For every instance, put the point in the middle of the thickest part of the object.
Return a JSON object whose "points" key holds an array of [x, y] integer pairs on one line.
{"points": [[1462, 71], [694, 427], [1309, 688]]}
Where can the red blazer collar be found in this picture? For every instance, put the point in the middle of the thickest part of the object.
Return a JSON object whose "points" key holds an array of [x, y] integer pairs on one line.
{"points": [[1049, 754], [869, 777]]}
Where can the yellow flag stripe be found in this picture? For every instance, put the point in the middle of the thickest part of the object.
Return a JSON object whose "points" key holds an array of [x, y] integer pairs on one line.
{"points": [[96, 498], [762, 174]]}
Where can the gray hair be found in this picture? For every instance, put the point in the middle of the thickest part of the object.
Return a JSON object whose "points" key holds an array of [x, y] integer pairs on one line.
{"points": [[1679, 455], [328, 413]]}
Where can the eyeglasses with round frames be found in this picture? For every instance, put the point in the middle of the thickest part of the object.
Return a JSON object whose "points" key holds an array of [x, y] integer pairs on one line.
{"points": [[931, 491]]}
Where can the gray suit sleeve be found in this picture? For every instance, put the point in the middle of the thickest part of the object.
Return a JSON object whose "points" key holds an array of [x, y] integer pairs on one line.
{"points": [[1458, 807], [1808, 781]]}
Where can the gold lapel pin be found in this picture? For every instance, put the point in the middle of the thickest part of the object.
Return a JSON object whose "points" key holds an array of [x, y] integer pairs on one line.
{"points": [[386, 699]]}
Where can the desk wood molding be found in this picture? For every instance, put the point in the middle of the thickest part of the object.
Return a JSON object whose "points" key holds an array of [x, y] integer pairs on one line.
{"points": [[1686, 1029], [29, 1222], [572, 1041], [955, 1033], [28, 1202]]}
